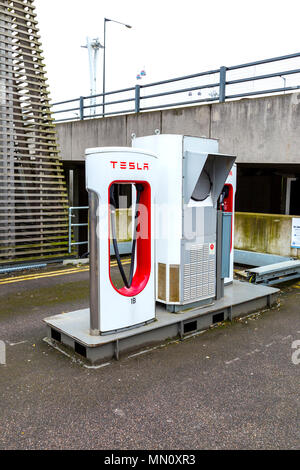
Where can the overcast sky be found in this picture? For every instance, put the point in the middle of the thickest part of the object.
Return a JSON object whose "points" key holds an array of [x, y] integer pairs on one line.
{"points": [[168, 38]]}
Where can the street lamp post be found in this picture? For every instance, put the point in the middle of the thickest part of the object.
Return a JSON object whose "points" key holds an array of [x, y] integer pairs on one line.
{"points": [[93, 47], [104, 57]]}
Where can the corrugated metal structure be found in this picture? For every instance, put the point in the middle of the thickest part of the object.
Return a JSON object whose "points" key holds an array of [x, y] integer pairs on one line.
{"points": [[33, 193]]}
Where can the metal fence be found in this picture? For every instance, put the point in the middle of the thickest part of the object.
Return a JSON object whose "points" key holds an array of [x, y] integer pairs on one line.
{"points": [[71, 225], [76, 239], [263, 77]]}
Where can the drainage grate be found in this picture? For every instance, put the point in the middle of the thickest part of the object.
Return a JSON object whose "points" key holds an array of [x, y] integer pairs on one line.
{"points": [[79, 349], [218, 317], [190, 326], [55, 335]]}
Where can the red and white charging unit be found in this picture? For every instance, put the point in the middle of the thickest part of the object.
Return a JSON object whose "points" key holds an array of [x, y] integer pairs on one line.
{"points": [[229, 206], [182, 198], [114, 308]]}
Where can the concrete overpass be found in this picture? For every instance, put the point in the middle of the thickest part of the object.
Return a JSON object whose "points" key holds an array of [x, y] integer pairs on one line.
{"points": [[263, 132]]}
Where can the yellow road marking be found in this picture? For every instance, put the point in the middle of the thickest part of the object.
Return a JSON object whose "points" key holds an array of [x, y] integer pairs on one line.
{"points": [[30, 277], [62, 273]]}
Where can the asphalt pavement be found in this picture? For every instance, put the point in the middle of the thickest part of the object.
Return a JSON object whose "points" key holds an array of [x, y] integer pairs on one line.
{"points": [[232, 387]]}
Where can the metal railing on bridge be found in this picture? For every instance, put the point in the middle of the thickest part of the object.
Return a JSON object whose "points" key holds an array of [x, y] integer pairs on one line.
{"points": [[71, 225], [262, 77]]}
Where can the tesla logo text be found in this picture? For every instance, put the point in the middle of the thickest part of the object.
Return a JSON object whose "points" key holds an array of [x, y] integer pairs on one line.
{"points": [[130, 166]]}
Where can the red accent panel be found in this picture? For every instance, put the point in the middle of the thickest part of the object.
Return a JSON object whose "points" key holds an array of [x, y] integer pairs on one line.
{"points": [[228, 201], [228, 206], [143, 243]]}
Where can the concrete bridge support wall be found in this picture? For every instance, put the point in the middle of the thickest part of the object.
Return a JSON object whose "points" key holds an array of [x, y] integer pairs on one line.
{"points": [[259, 130], [264, 233]]}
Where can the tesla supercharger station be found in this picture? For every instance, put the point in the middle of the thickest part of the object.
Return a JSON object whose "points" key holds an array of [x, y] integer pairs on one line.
{"points": [[180, 192], [113, 307], [193, 234], [181, 200]]}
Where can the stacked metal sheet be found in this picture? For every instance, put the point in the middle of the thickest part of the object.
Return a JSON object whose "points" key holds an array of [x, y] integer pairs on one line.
{"points": [[33, 194]]}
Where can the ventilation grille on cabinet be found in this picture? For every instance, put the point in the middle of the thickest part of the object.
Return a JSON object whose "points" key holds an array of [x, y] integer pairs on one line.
{"points": [[199, 273]]}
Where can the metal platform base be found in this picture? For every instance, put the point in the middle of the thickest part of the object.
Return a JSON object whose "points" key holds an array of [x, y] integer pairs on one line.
{"points": [[72, 329], [275, 273]]}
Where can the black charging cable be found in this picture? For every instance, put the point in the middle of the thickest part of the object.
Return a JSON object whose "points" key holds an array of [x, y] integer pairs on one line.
{"points": [[139, 188]]}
